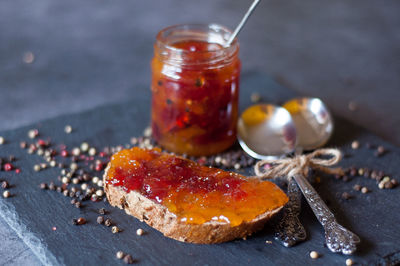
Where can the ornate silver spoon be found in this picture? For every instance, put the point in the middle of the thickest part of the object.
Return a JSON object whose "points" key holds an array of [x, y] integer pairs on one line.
{"points": [[314, 127]]}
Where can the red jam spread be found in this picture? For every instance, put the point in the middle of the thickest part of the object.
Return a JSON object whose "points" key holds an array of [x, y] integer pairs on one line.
{"points": [[194, 193], [195, 105]]}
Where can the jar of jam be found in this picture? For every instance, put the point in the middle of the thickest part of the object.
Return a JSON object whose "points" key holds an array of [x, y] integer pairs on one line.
{"points": [[195, 89]]}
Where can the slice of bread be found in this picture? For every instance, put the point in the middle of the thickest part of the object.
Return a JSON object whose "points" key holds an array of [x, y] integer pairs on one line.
{"points": [[160, 218]]}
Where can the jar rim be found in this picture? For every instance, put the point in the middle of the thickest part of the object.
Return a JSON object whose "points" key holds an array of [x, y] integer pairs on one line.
{"points": [[212, 33], [216, 28]]}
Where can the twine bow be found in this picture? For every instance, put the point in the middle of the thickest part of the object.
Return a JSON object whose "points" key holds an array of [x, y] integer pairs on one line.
{"points": [[300, 164]]}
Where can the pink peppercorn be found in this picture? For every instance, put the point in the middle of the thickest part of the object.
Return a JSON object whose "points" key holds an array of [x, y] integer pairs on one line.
{"points": [[17, 171], [99, 167], [42, 143], [8, 167], [64, 153]]}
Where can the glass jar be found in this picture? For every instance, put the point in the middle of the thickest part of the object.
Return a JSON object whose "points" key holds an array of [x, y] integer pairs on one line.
{"points": [[195, 89]]}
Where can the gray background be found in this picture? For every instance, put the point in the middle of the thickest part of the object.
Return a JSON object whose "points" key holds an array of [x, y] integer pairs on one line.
{"points": [[93, 52]]}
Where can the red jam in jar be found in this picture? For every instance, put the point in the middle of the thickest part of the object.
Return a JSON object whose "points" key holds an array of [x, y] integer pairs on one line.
{"points": [[196, 194], [195, 89]]}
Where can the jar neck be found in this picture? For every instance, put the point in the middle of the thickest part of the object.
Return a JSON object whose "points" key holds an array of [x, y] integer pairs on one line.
{"points": [[166, 49]]}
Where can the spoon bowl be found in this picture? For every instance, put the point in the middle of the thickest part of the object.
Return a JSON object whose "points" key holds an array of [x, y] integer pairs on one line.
{"points": [[314, 123], [266, 131]]}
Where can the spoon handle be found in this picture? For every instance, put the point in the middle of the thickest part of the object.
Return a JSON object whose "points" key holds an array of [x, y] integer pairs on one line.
{"points": [[242, 22], [338, 238], [289, 230]]}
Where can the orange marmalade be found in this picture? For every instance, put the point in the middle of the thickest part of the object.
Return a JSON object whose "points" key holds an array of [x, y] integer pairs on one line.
{"points": [[194, 193], [195, 89]]}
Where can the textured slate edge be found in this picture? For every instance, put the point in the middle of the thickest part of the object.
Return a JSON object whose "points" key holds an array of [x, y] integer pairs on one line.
{"points": [[10, 216]]}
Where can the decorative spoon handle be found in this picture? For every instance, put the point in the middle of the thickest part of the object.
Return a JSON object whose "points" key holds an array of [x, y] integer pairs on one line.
{"points": [[338, 238], [289, 230]]}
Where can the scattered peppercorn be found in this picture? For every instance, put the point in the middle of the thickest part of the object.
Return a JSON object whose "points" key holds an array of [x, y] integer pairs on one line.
{"points": [[102, 211], [100, 220], [379, 151], [364, 190], [5, 185], [33, 133], [78, 204], [23, 145], [99, 193], [6, 194], [139, 232], [355, 145], [314, 254], [346, 195], [81, 221], [120, 255], [128, 259], [43, 186], [68, 129], [357, 187], [8, 167], [349, 262], [115, 229], [36, 168], [108, 222]]}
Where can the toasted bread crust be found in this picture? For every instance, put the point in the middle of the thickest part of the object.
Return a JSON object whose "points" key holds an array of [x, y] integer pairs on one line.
{"points": [[158, 217]]}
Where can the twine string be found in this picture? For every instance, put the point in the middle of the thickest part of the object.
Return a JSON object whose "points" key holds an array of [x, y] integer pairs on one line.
{"points": [[300, 164]]}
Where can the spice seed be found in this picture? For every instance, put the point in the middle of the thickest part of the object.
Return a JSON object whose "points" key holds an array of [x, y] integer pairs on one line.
{"points": [[33, 133], [92, 151], [2, 140], [102, 211], [81, 221], [95, 179], [120, 255], [364, 190], [355, 145], [100, 220], [128, 259], [357, 187], [346, 195], [6, 194], [99, 193], [139, 232], [115, 229], [5, 185], [349, 262], [314, 254], [84, 146], [108, 222], [68, 129], [36, 168]]}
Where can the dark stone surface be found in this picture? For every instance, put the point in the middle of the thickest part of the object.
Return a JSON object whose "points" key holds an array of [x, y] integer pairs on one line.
{"points": [[339, 50], [373, 216]]}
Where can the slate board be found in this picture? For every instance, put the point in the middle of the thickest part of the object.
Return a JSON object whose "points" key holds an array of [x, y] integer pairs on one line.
{"points": [[32, 213]]}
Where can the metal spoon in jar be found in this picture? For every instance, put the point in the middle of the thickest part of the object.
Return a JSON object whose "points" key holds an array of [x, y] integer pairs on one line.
{"points": [[314, 126], [242, 22]]}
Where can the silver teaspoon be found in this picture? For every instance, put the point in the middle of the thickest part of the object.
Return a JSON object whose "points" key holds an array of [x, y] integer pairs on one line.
{"points": [[314, 127]]}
